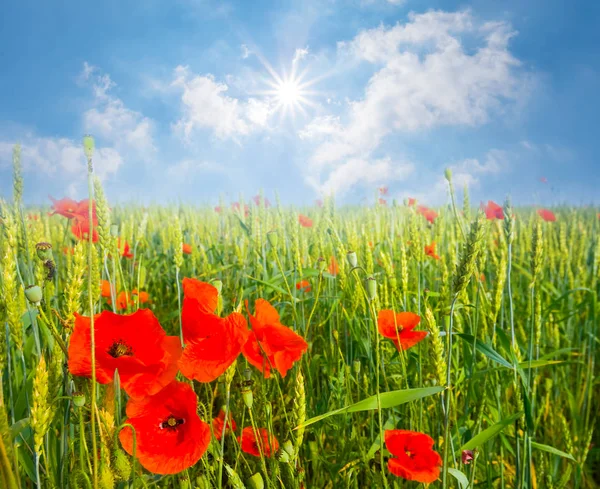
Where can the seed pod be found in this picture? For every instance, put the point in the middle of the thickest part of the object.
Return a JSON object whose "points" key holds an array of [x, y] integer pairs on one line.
{"points": [[256, 481], [44, 251], [371, 288], [352, 259], [88, 146], [78, 399], [34, 294]]}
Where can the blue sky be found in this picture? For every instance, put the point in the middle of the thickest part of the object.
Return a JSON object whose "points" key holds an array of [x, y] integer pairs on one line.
{"points": [[180, 98]]}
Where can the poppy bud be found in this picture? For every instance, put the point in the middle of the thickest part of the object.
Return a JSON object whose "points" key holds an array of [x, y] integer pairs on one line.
{"points": [[356, 367], [247, 397], [467, 456], [273, 238], [448, 174], [288, 447], [34, 294], [184, 482], [114, 230], [352, 260], [44, 251], [88, 146], [78, 399], [321, 264], [218, 285], [256, 482], [371, 288]]}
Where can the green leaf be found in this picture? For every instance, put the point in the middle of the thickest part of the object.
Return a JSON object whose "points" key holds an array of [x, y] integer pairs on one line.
{"points": [[463, 482], [388, 400], [554, 451], [539, 363], [489, 433], [486, 350], [269, 284]]}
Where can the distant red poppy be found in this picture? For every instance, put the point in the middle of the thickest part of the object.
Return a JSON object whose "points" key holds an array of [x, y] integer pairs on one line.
{"points": [[493, 211], [212, 343], [236, 207], [143, 296], [305, 221], [170, 436], [467, 456], [126, 251], [259, 198], [543, 180], [319, 203], [267, 444], [430, 251], [382, 201], [122, 300], [427, 213], [186, 248], [303, 285], [271, 344], [333, 267], [218, 209], [383, 190], [81, 230], [546, 215], [399, 327], [105, 288], [218, 424], [134, 343], [413, 456], [33, 217], [68, 250], [411, 202]]}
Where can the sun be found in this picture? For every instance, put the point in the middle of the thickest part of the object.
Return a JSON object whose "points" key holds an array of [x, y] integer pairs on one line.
{"points": [[288, 93]]}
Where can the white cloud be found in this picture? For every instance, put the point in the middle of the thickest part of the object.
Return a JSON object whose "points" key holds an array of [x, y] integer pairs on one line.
{"points": [[113, 122], [245, 51], [205, 105], [186, 168], [300, 54], [60, 157], [438, 69], [360, 171]]}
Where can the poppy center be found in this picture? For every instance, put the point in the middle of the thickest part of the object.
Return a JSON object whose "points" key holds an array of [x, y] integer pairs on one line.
{"points": [[171, 423], [120, 349]]}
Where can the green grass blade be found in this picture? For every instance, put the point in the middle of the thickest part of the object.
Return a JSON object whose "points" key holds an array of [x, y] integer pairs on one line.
{"points": [[489, 433]]}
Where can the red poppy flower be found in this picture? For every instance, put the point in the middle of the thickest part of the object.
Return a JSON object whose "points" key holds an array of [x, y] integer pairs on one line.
{"points": [[186, 248], [546, 215], [71, 209], [258, 199], [134, 343], [305, 221], [105, 288], [143, 296], [543, 180], [383, 190], [126, 251], [212, 343], [399, 327], [271, 344], [382, 201], [218, 424], [218, 209], [493, 211], [333, 267], [170, 436], [413, 456], [303, 285], [81, 230], [430, 251], [236, 207], [427, 213], [267, 444], [68, 250], [411, 202]]}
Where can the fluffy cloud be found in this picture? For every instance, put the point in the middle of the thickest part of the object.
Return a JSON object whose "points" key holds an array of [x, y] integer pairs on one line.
{"points": [[109, 118], [206, 105], [438, 69]]}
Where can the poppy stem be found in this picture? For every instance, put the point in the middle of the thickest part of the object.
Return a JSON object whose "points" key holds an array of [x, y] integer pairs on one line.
{"points": [[447, 392]]}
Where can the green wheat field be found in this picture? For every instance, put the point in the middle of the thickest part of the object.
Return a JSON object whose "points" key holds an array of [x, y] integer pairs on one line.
{"points": [[259, 346]]}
